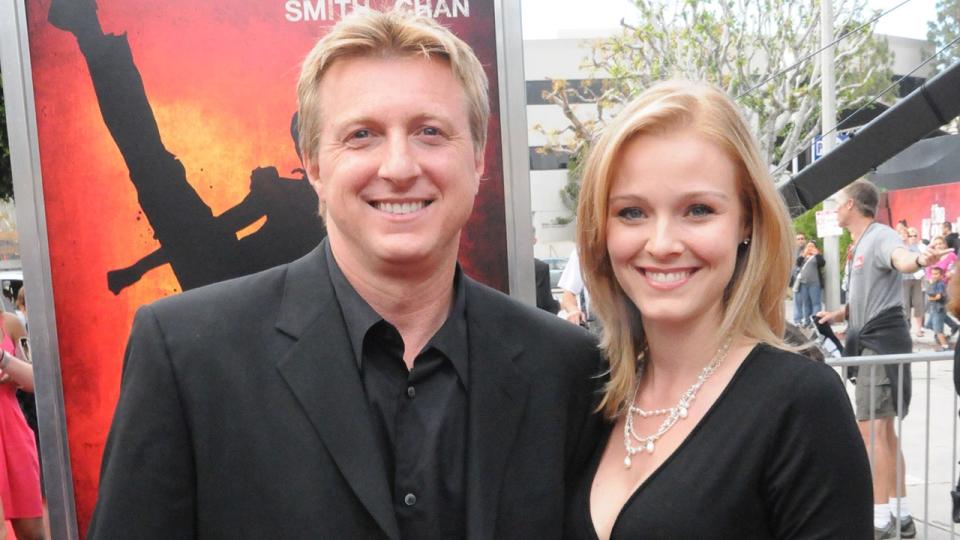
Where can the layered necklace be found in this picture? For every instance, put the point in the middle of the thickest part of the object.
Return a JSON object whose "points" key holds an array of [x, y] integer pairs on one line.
{"points": [[633, 441]]}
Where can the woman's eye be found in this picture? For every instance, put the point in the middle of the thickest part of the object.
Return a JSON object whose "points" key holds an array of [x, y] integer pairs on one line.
{"points": [[630, 213], [700, 210]]}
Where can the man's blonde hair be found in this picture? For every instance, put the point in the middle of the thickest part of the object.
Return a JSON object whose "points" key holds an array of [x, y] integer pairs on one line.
{"points": [[753, 300], [386, 34]]}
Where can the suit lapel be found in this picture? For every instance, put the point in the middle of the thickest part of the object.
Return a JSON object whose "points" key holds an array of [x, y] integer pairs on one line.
{"points": [[498, 395], [322, 373]]}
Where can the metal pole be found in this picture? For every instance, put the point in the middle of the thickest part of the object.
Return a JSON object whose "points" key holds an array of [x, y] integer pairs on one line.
{"points": [[953, 458], [828, 121], [926, 460], [513, 135], [31, 224]]}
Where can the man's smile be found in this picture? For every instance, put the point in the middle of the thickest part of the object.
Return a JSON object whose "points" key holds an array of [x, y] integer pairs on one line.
{"points": [[398, 208]]}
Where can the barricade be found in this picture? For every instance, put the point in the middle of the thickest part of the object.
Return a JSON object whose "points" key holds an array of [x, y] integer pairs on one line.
{"points": [[932, 523]]}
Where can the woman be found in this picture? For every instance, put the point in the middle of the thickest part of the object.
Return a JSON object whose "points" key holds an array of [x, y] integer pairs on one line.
{"points": [[21, 311], [715, 430], [809, 284], [913, 285], [947, 265], [902, 228], [19, 466]]}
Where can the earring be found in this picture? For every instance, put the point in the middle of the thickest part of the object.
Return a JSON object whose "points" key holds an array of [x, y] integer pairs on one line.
{"points": [[746, 241]]}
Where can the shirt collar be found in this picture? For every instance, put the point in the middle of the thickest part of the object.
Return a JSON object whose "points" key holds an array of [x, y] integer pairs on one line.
{"points": [[450, 339]]}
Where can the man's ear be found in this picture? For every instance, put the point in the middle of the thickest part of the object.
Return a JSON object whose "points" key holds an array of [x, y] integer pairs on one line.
{"points": [[479, 166], [313, 176]]}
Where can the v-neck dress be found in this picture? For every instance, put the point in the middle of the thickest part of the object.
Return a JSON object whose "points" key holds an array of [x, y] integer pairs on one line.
{"points": [[778, 455]]}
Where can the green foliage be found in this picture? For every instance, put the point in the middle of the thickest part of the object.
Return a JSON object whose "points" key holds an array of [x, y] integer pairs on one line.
{"points": [[6, 174], [944, 30], [806, 223], [734, 44], [845, 241], [570, 193]]}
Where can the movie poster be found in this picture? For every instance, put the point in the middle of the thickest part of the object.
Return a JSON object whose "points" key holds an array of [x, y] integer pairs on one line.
{"points": [[168, 162]]}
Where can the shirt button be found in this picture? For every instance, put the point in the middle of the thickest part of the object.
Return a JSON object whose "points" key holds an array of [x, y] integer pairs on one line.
{"points": [[411, 392], [409, 499]]}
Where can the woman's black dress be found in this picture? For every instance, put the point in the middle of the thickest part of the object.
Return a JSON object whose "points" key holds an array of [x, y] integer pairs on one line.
{"points": [[778, 455]]}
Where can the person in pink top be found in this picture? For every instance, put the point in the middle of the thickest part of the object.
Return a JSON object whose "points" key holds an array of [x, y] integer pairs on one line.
{"points": [[19, 463], [949, 269], [946, 263]]}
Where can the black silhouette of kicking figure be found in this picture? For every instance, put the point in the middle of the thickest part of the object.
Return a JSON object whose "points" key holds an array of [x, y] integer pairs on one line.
{"points": [[200, 247], [291, 228]]}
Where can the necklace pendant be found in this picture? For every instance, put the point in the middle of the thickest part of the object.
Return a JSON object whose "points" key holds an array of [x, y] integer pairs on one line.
{"points": [[649, 447], [627, 462], [683, 412]]}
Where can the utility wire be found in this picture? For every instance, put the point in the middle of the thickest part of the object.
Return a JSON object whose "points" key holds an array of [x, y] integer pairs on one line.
{"points": [[818, 51], [892, 85]]}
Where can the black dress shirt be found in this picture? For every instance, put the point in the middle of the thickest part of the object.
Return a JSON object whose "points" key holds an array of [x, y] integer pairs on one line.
{"points": [[419, 415]]}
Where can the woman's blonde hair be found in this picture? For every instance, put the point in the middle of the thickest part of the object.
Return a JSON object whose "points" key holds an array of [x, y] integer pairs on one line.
{"points": [[753, 300], [387, 34]]}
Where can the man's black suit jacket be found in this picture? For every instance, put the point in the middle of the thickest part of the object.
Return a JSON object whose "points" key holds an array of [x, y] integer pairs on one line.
{"points": [[242, 415]]}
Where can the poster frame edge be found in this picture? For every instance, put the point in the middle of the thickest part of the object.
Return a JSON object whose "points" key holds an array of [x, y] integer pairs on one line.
{"points": [[515, 148], [35, 259]]}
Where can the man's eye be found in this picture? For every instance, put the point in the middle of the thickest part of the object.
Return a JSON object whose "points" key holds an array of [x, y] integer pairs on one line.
{"points": [[430, 131], [360, 134], [630, 213], [700, 210]]}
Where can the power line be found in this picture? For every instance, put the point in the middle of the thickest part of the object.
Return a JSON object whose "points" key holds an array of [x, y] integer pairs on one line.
{"points": [[892, 85], [798, 63]]}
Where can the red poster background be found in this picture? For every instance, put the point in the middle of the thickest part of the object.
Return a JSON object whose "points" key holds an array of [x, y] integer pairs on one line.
{"points": [[220, 77], [914, 204]]}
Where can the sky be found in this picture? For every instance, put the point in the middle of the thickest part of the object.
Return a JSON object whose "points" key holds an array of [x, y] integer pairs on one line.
{"points": [[544, 19]]}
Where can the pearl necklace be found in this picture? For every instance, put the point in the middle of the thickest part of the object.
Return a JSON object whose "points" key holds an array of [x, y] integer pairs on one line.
{"points": [[677, 412]]}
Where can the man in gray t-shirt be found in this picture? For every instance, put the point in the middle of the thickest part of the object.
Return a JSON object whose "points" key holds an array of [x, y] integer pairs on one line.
{"points": [[874, 311], [874, 284]]}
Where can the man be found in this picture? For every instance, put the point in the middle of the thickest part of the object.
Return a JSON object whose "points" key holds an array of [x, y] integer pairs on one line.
{"points": [[574, 297], [949, 236], [912, 285], [369, 389], [876, 325]]}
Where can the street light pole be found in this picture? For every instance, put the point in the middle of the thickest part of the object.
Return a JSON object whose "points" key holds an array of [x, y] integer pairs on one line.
{"points": [[828, 123]]}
